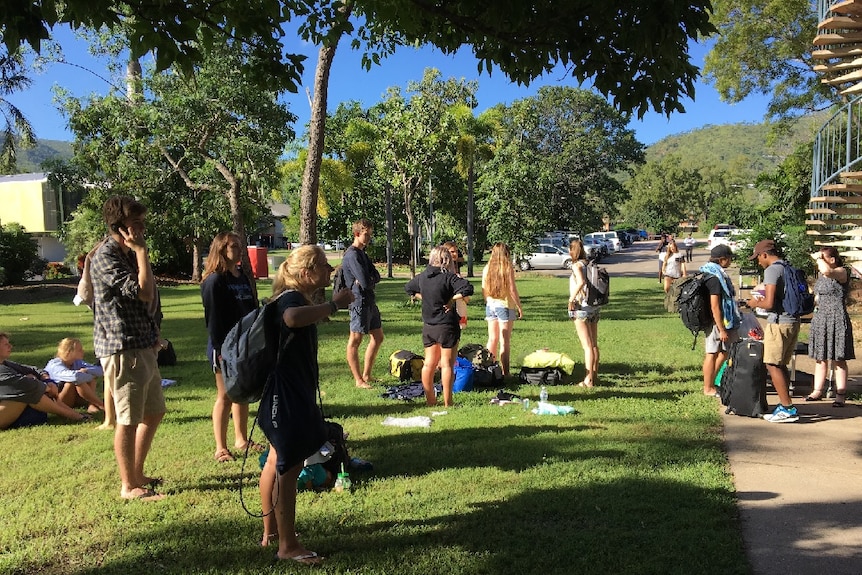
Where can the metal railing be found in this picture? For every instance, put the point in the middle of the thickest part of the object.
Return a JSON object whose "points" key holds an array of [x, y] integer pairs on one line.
{"points": [[837, 146]]}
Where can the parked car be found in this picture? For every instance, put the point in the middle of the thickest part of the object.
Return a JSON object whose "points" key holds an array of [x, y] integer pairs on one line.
{"points": [[595, 249], [546, 256], [612, 237]]}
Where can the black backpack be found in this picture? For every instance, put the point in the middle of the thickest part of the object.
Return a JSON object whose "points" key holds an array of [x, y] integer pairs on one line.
{"points": [[338, 281], [693, 303], [598, 284]]}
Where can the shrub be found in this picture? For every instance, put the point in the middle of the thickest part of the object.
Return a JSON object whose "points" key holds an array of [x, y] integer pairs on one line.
{"points": [[18, 252], [56, 270]]}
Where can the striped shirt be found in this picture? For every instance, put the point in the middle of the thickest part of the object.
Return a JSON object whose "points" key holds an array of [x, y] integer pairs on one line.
{"points": [[122, 320]]}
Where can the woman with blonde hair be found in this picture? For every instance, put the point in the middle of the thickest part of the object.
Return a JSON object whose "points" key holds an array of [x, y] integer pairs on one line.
{"points": [[502, 302], [288, 412], [227, 297], [585, 317], [440, 288], [75, 378]]}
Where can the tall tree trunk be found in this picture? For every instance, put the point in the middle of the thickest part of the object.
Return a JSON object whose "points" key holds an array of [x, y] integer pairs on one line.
{"points": [[196, 260], [239, 228], [411, 227], [470, 178], [316, 134], [389, 227]]}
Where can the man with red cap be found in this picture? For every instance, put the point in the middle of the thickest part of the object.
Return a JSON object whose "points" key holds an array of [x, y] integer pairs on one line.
{"points": [[782, 329]]}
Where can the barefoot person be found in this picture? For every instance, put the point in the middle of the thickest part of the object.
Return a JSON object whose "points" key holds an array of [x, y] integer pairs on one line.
{"points": [[585, 317], [126, 340], [440, 288], [27, 395], [502, 303], [362, 277], [227, 297], [289, 415]]}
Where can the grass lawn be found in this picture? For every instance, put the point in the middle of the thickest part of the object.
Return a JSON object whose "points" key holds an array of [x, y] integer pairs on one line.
{"points": [[635, 482]]}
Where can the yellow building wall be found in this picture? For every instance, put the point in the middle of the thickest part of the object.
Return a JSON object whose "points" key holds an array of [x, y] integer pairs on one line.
{"points": [[30, 203]]}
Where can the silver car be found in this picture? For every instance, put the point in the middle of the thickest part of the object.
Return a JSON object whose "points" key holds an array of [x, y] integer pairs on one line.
{"points": [[546, 256]]}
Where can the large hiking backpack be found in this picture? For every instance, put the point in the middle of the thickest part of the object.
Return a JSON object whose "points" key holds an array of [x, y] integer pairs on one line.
{"points": [[797, 301], [406, 365], [249, 353], [693, 304], [598, 284]]}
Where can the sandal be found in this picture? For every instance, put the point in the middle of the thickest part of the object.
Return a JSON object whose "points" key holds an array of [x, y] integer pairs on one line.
{"points": [[252, 445], [812, 397], [839, 399], [224, 456]]}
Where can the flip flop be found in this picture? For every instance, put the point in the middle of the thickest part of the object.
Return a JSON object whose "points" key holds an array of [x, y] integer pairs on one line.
{"points": [[145, 495], [224, 456], [310, 558], [252, 445]]}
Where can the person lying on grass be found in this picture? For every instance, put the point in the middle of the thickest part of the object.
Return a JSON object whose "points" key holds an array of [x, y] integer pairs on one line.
{"points": [[27, 394]]}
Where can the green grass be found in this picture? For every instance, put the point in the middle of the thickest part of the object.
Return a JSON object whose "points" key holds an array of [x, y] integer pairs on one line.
{"points": [[636, 482]]}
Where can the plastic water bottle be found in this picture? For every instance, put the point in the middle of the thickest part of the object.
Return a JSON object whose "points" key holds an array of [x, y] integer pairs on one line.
{"points": [[343, 483], [543, 395]]}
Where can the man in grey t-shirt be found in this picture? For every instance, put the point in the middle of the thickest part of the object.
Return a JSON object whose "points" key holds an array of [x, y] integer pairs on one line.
{"points": [[782, 330]]}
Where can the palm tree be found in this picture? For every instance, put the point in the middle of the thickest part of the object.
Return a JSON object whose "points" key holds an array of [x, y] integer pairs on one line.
{"points": [[17, 130]]}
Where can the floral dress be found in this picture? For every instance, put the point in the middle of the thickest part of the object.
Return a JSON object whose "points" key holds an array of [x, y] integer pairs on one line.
{"points": [[831, 335]]}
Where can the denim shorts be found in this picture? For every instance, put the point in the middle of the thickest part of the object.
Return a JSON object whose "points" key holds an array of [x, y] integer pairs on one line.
{"points": [[589, 314], [500, 313]]}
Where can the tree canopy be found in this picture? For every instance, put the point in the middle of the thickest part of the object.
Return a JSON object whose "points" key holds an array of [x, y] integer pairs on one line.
{"points": [[635, 53]]}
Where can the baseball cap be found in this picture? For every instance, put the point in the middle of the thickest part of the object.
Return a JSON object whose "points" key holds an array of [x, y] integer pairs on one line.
{"points": [[761, 247], [721, 251]]}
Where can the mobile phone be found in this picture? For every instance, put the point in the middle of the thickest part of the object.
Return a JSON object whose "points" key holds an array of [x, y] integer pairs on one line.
{"points": [[117, 228]]}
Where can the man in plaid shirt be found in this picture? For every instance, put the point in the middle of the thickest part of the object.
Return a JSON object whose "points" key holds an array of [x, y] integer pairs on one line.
{"points": [[126, 340]]}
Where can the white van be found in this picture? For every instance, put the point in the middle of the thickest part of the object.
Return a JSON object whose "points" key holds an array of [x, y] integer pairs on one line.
{"points": [[611, 237]]}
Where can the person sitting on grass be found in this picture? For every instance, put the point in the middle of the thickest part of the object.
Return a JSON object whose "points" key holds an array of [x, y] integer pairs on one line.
{"points": [[27, 395], [75, 378]]}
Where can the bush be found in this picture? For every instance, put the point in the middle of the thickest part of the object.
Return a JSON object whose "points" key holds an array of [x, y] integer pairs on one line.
{"points": [[56, 270], [18, 252]]}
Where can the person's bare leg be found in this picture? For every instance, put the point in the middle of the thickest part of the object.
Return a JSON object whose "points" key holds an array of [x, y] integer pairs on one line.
{"points": [[239, 411], [268, 496], [594, 365], [87, 392], [10, 411], [780, 377], [493, 337], [583, 329], [840, 367], [221, 411], [432, 359], [352, 353], [110, 413], [144, 434], [505, 344], [289, 546], [820, 369], [124, 451], [447, 373], [374, 343], [68, 395]]}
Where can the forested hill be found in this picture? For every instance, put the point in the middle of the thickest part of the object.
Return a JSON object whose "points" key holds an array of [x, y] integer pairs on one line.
{"points": [[743, 148], [29, 160]]}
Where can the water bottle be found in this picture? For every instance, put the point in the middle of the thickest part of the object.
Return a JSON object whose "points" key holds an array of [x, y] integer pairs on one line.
{"points": [[343, 483], [543, 395]]}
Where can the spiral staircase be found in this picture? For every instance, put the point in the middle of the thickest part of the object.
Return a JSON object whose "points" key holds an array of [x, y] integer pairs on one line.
{"points": [[834, 215]]}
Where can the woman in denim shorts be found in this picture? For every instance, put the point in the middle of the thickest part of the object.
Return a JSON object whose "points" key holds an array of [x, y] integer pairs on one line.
{"points": [[586, 317], [502, 303]]}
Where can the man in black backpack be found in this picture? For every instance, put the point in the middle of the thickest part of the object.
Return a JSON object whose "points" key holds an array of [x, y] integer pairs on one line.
{"points": [[782, 329], [724, 313]]}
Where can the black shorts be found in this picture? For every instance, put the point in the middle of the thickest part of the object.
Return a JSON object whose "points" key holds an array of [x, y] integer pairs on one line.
{"points": [[446, 334]]}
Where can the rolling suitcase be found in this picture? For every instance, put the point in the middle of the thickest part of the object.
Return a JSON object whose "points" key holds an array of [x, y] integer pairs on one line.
{"points": [[743, 385]]}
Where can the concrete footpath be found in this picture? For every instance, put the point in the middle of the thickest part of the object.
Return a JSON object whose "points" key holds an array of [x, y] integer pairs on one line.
{"points": [[799, 485]]}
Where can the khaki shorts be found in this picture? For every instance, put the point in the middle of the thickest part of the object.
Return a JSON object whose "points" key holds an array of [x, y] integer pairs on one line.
{"points": [[136, 385], [779, 341]]}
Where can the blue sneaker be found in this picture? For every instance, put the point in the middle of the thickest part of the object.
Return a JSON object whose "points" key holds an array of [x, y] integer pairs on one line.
{"points": [[782, 415]]}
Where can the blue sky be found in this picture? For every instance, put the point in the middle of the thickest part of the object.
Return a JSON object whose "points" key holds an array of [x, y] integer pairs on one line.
{"points": [[349, 81]]}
